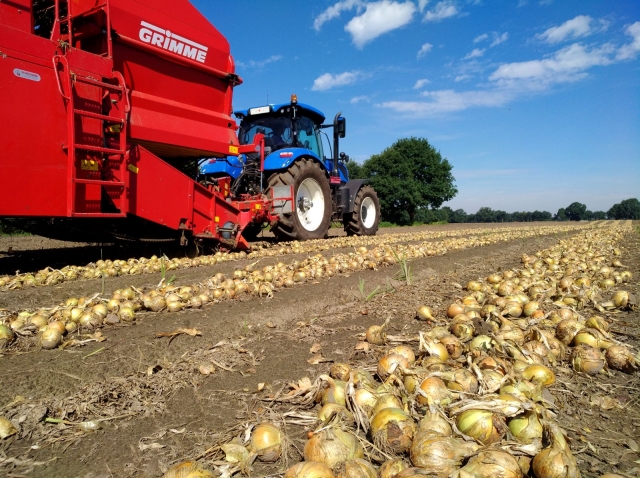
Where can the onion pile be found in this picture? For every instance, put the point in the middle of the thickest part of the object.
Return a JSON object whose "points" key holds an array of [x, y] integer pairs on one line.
{"points": [[88, 313]]}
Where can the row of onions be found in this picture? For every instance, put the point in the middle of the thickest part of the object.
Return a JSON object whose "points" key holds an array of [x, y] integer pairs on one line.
{"points": [[472, 399], [155, 264], [50, 326]]}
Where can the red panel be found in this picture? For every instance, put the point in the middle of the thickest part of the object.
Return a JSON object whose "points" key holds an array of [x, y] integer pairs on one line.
{"points": [[17, 14]]}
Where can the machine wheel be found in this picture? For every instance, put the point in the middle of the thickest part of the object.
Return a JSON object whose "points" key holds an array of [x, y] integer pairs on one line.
{"points": [[311, 216], [364, 219]]}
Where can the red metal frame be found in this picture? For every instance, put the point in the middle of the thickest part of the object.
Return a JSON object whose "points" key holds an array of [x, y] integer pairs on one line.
{"points": [[96, 114]]}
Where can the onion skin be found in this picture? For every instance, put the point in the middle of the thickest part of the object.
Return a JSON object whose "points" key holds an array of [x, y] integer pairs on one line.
{"points": [[436, 392], [539, 374], [482, 425], [50, 338], [620, 358], [435, 423], [526, 428], [588, 360], [555, 461], [390, 468], [309, 470], [439, 455], [357, 468], [6, 336], [390, 363]]}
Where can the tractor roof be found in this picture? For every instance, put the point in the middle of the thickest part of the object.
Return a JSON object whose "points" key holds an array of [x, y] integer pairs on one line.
{"points": [[312, 113]]}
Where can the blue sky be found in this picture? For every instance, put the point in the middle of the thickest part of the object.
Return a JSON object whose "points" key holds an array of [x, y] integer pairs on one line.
{"points": [[535, 103]]}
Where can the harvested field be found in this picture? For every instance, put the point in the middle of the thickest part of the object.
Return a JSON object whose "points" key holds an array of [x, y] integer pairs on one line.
{"points": [[131, 398]]}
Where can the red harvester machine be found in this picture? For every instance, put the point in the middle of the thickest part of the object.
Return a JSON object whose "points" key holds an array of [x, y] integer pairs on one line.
{"points": [[106, 107]]}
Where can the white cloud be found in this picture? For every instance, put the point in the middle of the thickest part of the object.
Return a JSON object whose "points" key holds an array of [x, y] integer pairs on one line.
{"points": [[442, 10], [424, 49], [379, 18], [420, 83], [630, 50], [577, 27], [567, 64], [445, 101], [475, 53], [328, 81], [422, 4], [460, 78], [259, 64], [334, 11], [480, 38], [358, 99], [497, 39]]}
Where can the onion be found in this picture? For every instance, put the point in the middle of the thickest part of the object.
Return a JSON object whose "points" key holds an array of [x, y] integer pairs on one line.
{"points": [[620, 357], [530, 307], [461, 380], [389, 363], [555, 461], [6, 428], [592, 338], [526, 428], [50, 338], [434, 422], [484, 426], [481, 343], [266, 442], [365, 399], [434, 392], [567, 329], [405, 351], [390, 468], [453, 346], [357, 468], [439, 455], [329, 411], [392, 429], [127, 314], [188, 469], [340, 371], [539, 374], [620, 299], [309, 470], [424, 313], [492, 463], [376, 334], [335, 393], [332, 447], [455, 309], [6, 336], [90, 320], [386, 400], [587, 359]]}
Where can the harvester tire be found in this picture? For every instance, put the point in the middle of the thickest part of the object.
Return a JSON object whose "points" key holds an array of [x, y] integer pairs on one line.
{"points": [[311, 216], [251, 232], [364, 219]]}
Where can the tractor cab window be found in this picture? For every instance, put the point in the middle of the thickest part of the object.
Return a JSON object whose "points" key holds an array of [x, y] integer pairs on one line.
{"points": [[276, 130], [308, 136]]}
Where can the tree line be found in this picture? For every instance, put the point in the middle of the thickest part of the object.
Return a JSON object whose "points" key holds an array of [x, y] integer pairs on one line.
{"points": [[413, 180]]}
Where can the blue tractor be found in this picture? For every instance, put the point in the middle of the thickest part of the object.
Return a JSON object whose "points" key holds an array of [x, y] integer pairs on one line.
{"points": [[294, 156]]}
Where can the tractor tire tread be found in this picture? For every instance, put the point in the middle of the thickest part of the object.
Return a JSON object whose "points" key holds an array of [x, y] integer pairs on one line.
{"points": [[353, 224]]}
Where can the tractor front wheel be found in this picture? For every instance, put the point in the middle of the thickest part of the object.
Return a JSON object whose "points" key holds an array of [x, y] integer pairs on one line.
{"points": [[311, 216], [364, 219]]}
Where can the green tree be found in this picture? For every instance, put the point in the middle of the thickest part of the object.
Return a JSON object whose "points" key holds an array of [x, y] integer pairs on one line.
{"points": [[627, 209], [485, 214], [599, 215], [355, 170], [561, 215], [458, 216], [576, 211], [410, 175]]}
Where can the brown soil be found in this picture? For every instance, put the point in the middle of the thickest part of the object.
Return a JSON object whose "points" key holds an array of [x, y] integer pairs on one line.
{"points": [[166, 411]]}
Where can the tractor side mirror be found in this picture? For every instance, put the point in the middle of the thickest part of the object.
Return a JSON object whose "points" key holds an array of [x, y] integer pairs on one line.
{"points": [[341, 126], [344, 158]]}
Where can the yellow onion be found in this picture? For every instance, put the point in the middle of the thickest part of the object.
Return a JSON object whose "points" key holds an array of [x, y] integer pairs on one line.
{"points": [[438, 454], [389, 363], [620, 299], [484, 426], [38, 321], [462, 327], [434, 422], [356, 468], [311, 469], [481, 343], [386, 400], [526, 428], [365, 399], [588, 359], [188, 469], [539, 374], [6, 428], [405, 351], [424, 313], [453, 346], [50, 338], [266, 442], [332, 447], [156, 304], [555, 461], [620, 357], [392, 429], [567, 329], [433, 392], [592, 338], [6, 336], [461, 380], [492, 463], [390, 468], [530, 307], [90, 320], [455, 309], [335, 392], [376, 335], [340, 371]]}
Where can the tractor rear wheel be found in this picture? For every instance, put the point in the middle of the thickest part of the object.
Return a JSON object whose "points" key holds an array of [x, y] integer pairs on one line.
{"points": [[311, 216], [364, 219]]}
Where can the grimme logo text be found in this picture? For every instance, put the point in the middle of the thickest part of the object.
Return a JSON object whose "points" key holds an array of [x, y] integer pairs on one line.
{"points": [[171, 42]]}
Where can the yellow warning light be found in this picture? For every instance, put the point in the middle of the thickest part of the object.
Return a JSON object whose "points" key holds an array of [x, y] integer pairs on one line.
{"points": [[216, 219], [294, 99], [257, 206]]}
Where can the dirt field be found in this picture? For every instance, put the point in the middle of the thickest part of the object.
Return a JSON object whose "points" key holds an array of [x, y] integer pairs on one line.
{"points": [[154, 408]]}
